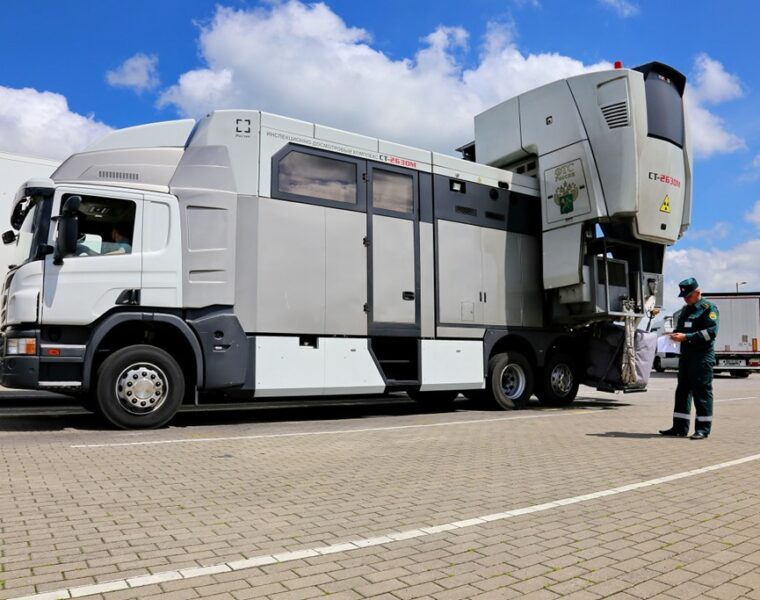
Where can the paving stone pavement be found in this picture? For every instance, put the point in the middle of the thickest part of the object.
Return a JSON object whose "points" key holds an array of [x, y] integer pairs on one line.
{"points": [[385, 501]]}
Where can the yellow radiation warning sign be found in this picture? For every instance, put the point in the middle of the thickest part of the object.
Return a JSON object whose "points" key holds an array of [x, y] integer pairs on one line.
{"points": [[665, 206]]}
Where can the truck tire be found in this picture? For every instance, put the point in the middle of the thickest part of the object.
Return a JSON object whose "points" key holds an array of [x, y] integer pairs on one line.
{"points": [[739, 374], [434, 400], [558, 381], [510, 380], [139, 387]]}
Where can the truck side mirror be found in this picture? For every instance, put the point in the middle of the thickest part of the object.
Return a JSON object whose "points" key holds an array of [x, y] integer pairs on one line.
{"points": [[18, 214], [68, 229], [9, 237]]}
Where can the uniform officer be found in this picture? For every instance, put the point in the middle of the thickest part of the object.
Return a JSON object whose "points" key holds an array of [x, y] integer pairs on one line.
{"points": [[696, 329]]}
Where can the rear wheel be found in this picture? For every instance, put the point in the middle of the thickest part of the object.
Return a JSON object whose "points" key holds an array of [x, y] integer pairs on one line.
{"points": [[139, 387], [558, 381], [739, 374], [510, 380]]}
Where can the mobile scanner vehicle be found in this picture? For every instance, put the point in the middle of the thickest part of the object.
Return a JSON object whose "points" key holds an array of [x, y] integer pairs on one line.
{"points": [[250, 255]]}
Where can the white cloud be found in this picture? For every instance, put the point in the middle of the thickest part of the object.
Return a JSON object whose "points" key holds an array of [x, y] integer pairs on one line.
{"points": [[41, 124], [305, 61], [622, 7], [718, 231], [711, 84], [140, 73], [715, 270], [753, 216]]}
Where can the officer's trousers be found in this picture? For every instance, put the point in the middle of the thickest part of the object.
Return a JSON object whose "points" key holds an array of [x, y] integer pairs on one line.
{"points": [[695, 376]]}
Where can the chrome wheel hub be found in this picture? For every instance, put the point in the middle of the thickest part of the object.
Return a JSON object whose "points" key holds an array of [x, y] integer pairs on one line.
{"points": [[513, 381], [561, 379], [142, 388]]}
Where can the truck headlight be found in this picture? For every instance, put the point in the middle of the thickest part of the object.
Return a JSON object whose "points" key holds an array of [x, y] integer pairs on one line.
{"points": [[15, 346]]}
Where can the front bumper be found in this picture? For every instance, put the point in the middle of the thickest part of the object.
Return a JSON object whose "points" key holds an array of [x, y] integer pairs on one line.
{"points": [[21, 372], [43, 371]]}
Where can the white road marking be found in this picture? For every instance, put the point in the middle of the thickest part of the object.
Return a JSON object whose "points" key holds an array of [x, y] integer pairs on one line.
{"points": [[732, 399], [562, 413], [389, 538]]}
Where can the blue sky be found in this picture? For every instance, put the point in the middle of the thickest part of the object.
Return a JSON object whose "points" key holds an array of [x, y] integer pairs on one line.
{"points": [[409, 71]]}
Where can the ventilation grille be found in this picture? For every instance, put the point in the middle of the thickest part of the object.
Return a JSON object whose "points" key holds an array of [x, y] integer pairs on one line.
{"points": [[616, 115], [122, 175], [466, 210]]}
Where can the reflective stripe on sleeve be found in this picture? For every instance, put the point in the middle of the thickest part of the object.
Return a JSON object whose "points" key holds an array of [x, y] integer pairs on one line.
{"points": [[681, 416], [704, 418], [705, 335]]}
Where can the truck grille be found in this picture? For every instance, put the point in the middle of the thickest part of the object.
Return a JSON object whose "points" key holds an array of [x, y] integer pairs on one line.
{"points": [[616, 115]]}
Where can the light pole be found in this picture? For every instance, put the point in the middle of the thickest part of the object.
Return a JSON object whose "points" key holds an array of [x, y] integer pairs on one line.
{"points": [[738, 283]]}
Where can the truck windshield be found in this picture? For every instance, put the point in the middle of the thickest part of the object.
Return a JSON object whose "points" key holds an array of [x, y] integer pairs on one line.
{"points": [[33, 230]]}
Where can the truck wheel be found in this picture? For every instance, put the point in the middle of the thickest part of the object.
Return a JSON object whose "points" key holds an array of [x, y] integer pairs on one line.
{"points": [[434, 400], [558, 381], [139, 387], [657, 366], [510, 380], [739, 374]]}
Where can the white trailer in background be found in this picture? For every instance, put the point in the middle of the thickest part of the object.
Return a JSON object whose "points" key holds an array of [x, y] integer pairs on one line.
{"points": [[251, 255], [15, 169], [736, 347]]}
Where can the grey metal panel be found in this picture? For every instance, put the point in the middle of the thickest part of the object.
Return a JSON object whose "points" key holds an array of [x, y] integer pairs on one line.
{"points": [[531, 290], [246, 260], [562, 258], [136, 166], [524, 296], [168, 133], [460, 277], [238, 131], [345, 272], [208, 230], [393, 270], [461, 332], [514, 280], [427, 281], [494, 251], [205, 167], [291, 267], [497, 134]]}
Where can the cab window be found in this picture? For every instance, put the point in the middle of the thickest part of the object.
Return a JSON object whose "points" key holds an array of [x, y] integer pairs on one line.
{"points": [[106, 226]]}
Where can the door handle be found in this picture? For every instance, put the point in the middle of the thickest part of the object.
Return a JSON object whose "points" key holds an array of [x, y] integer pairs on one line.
{"points": [[407, 295]]}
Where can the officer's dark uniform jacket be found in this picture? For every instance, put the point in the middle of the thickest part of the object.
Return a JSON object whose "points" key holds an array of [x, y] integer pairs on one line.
{"points": [[700, 324], [695, 367]]}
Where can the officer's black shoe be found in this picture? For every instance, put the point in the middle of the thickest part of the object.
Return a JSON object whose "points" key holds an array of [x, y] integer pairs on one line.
{"points": [[672, 432], [699, 435]]}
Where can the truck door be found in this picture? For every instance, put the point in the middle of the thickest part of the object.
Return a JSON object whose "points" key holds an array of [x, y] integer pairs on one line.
{"points": [[105, 270], [393, 257]]}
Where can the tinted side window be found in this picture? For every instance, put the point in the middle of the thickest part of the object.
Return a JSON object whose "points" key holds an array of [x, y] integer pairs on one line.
{"points": [[392, 191], [664, 109], [319, 177]]}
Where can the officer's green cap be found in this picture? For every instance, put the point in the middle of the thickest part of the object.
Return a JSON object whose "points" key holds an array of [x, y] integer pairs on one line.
{"points": [[687, 286]]}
